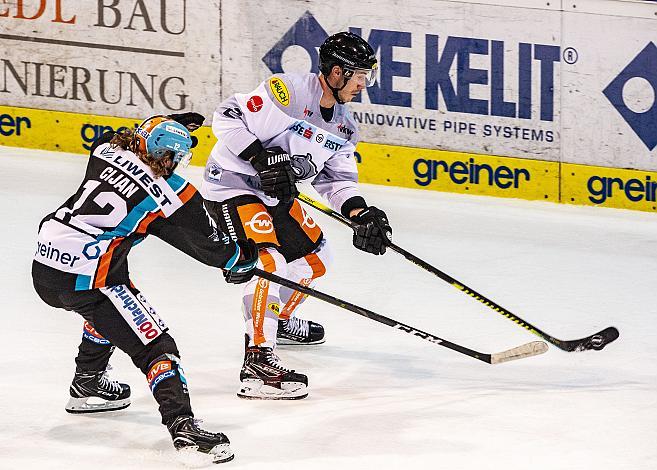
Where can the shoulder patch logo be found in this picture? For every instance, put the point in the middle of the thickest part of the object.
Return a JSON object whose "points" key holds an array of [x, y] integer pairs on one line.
{"points": [[279, 89], [254, 104]]}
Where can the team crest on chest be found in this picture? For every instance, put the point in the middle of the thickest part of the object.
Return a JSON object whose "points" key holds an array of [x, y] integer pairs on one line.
{"points": [[303, 166]]}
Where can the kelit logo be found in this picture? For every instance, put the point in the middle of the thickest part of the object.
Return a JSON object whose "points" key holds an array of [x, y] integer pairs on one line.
{"points": [[634, 95], [306, 33]]}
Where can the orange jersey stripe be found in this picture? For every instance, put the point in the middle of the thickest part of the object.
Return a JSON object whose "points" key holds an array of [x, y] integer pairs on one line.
{"points": [[104, 264], [143, 225], [187, 193]]}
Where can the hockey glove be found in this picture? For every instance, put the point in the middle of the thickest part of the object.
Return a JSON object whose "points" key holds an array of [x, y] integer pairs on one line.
{"points": [[191, 121], [243, 269], [276, 175], [372, 232]]}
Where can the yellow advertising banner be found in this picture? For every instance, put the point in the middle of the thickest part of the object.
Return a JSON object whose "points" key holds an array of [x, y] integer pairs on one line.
{"points": [[407, 167], [456, 172], [609, 187], [72, 132]]}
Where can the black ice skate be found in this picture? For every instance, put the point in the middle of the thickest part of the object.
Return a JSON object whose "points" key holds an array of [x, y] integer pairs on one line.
{"points": [[105, 394], [188, 438], [264, 377], [296, 331]]}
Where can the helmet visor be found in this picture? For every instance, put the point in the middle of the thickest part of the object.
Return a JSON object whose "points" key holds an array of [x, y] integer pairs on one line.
{"points": [[366, 77], [180, 157], [183, 159]]}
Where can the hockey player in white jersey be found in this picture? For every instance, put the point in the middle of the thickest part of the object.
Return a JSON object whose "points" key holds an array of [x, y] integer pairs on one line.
{"points": [[291, 128]]}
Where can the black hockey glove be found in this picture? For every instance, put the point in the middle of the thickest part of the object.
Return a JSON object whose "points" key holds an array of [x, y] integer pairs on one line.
{"points": [[276, 175], [242, 271], [373, 233], [191, 121]]}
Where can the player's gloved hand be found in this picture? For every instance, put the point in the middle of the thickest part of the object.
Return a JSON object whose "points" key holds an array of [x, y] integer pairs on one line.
{"points": [[243, 269], [276, 175], [373, 233], [191, 121]]}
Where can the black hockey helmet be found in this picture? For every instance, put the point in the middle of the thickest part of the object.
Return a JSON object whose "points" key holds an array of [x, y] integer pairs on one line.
{"points": [[352, 54]]}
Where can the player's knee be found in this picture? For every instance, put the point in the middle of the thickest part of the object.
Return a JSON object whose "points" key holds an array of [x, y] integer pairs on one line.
{"points": [[273, 261], [160, 346], [322, 260]]}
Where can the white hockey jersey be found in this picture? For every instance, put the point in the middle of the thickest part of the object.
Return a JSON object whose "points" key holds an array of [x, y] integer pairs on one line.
{"points": [[283, 111]]}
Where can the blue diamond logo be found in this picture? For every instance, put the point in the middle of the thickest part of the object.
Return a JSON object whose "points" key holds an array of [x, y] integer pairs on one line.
{"points": [[644, 65], [307, 33]]}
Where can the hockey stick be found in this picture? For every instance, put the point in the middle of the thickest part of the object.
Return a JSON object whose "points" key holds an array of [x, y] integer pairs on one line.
{"points": [[526, 350], [595, 341]]}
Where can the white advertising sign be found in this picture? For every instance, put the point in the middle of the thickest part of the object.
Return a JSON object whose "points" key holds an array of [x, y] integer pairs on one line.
{"points": [[114, 57], [551, 80], [609, 103], [460, 76]]}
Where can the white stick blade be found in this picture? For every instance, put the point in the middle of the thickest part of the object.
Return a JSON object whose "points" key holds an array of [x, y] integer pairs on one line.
{"points": [[526, 350]]}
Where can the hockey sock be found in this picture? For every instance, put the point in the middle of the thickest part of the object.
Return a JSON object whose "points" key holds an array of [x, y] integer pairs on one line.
{"points": [[261, 301], [167, 382], [304, 271], [94, 351]]}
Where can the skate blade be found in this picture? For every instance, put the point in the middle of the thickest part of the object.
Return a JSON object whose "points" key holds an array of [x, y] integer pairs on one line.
{"points": [[190, 456], [80, 405], [257, 390], [291, 342]]}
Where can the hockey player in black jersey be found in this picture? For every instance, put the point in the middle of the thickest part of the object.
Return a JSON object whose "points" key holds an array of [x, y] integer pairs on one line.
{"points": [[130, 191], [291, 128]]}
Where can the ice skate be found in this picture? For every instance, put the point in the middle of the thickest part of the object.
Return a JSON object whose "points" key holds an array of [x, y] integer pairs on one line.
{"points": [[296, 331], [96, 386], [191, 442], [264, 377]]}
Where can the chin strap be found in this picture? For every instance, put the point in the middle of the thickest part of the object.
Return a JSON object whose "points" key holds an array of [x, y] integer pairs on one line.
{"points": [[335, 90]]}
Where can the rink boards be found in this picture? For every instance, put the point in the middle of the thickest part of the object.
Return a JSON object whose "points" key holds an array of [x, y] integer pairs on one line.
{"points": [[408, 167]]}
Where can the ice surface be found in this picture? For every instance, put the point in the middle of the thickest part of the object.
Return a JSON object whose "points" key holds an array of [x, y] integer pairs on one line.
{"points": [[379, 398]]}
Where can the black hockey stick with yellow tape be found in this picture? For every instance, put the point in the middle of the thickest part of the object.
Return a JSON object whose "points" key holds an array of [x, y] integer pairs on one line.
{"points": [[595, 341], [526, 350]]}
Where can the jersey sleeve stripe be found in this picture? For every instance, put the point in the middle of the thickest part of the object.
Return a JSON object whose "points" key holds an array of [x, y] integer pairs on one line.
{"points": [[132, 220], [147, 221], [187, 193]]}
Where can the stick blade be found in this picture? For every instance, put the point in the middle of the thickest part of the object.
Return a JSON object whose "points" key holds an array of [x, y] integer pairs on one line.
{"points": [[526, 350], [594, 342]]}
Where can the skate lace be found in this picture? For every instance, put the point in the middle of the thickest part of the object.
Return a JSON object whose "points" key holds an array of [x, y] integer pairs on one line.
{"points": [[296, 326], [107, 383], [275, 361]]}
